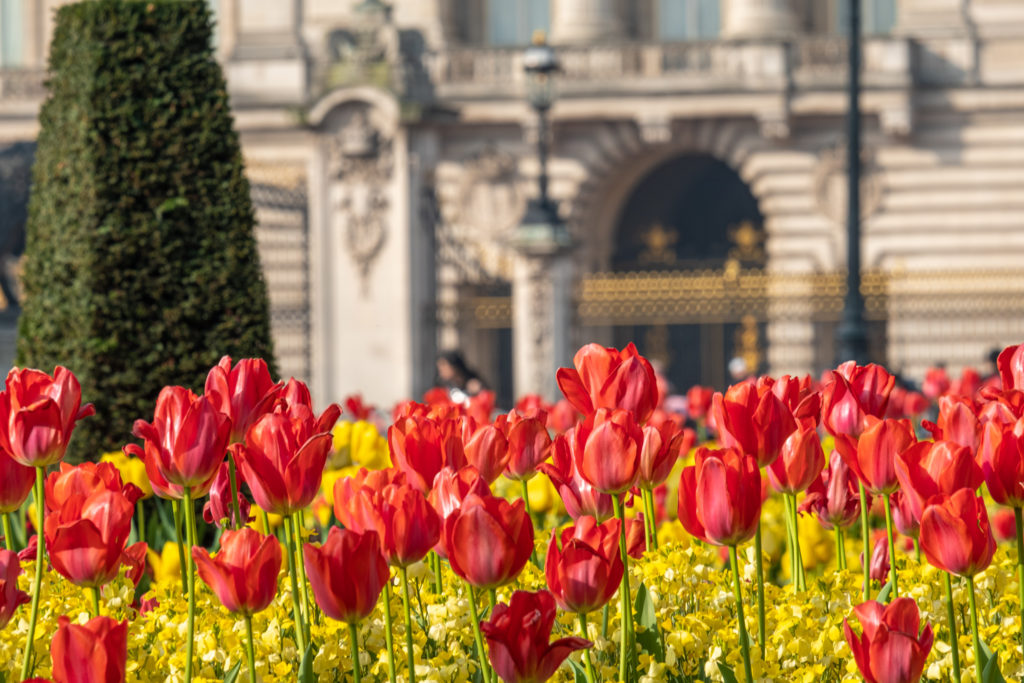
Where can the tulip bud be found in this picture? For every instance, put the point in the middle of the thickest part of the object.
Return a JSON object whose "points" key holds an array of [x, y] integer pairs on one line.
{"points": [[891, 648]]}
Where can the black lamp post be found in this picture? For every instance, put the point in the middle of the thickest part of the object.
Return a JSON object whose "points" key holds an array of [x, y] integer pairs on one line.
{"points": [[541, 231], [852, 336]]}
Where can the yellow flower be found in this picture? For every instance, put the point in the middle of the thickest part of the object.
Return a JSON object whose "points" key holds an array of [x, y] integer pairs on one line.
{"points": [[361, 444], [133, 471], [167, 565]]}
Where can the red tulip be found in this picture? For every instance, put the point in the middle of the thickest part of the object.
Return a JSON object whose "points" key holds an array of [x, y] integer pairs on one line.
{"points": [[957, 422], [404, 520], [903, 518], [880, 565], [422, 447], [449, 490], [1002, 463], [936, 383], [855, 393], [184, 445], [720, 496], [955, 533], [607, 451], [94, 653], [892, 647], [799, 463], [1011, 367], [243, 574], [284, 454], [486, 448], [10, 597], [356, 499], [243, 393], [929, 468], [833, 497], [698, 401], [799, 395], [529, 445], [357, 408], [347, 573], [16, 481], [752, 420], [218, 510], [38, 414], [578, 496], [584, 573], [84, 480], [607, 378], [873, 457], [86, 536], [518, 636], [662, 447], [488, 540], [1004, 525]]}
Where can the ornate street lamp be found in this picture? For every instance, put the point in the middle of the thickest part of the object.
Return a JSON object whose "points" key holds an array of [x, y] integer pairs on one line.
{"points": [[852, 337], [541, 231]]}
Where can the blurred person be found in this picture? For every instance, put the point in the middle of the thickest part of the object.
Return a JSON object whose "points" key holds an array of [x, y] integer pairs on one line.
{"points": [[457, 377]]}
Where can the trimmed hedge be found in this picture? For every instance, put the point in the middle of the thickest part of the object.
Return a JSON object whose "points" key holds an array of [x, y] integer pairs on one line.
{"points": [[141, 266]]}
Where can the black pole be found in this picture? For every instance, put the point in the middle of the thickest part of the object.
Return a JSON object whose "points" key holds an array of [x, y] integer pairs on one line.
{"points": [[852, 337], [542, 155]]}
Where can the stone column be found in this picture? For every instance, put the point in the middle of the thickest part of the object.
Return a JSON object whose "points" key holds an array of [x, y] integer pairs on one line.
{"points": [[757, 19], [583, 21], [268, 60], [541, 321]]}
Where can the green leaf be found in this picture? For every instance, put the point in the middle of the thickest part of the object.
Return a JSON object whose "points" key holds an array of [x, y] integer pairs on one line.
{"points": [[232, 675], [989, 663], [578, 674], [170, 205], [306, 668], [728, 675], [883, 595], [648, 635]]}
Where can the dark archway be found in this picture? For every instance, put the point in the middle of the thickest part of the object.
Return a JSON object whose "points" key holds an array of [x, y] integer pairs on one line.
{"points": [[693, 214]]}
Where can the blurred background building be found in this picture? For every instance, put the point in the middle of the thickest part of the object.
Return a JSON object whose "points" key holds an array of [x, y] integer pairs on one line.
{"points": [[697, 159]]}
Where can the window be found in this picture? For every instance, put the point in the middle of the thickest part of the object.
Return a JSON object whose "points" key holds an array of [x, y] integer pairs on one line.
{"points": [[876, 16], [512, 22], [688, 19], [11, 26]]}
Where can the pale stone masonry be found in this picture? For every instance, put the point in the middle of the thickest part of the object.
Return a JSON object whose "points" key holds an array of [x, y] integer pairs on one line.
{"points": [[392, 158]]}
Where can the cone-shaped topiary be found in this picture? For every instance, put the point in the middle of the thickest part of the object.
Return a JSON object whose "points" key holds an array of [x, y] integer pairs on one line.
{"points": [[141, 268]]}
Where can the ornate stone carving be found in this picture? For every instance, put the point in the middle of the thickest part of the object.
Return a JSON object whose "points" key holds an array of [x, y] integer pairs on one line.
{"points": [[360, 162], [830, 184]]}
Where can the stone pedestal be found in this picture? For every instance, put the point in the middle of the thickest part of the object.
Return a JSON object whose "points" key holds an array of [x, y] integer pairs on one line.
{"points": [[268, 59], [757, 19], [576, 22], [541, 321]]}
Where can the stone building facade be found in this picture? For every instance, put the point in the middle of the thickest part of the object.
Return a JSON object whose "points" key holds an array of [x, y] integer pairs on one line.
{"points": [[697, 158]]}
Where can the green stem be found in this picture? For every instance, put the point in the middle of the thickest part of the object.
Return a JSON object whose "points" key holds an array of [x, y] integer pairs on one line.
{"points": [[974, 627], [266, 522], [40, 492], [236, 512], [8, 532], [140, 519], [300, 626], [604, 620], [410, 654], [529, 513], [653, 520], [250, 647], [737, 592], [435, 564], [624, 595], [353, 635], [790, 543], [866, 541], [1018, 516], [951, 618], [798, 556], [917, 551], [95, 601], [892, 546], [587, 661], [840, 551], [389, 637], [758, 565], [481, 653], [492, 598], [647, 520], [176, 511], [188, 511], [307, 610]]}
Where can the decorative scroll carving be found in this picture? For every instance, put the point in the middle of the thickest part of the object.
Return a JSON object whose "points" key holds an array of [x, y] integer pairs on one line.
{"points": [[830, 190], [360, 162]]}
